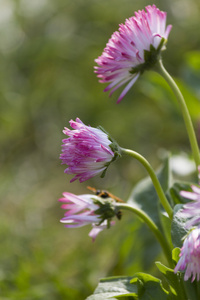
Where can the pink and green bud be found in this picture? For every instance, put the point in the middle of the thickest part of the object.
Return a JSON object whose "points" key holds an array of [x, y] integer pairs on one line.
{"points": [[88, 209], [87, 151]]}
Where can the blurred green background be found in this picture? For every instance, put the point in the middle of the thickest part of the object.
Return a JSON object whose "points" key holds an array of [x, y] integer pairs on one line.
{"points": [[47, 53]]}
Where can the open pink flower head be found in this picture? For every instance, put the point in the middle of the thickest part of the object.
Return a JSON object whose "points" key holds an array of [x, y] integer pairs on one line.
{"points": [[84, 209], [133, 49], [190, 256], [191, 210], [87, 151]]}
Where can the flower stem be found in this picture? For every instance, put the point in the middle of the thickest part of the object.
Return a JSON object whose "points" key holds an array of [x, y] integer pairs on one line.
{"points": [[154, 179], [160, 237], [186, 116]]}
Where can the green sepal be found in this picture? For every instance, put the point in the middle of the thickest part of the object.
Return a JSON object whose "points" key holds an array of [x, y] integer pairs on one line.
{"points": [[116, 155], [106, 211], [151, 57], [114, 147]]}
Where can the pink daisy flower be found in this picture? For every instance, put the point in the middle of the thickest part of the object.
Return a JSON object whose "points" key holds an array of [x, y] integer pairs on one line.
{"points": [[87, 209], [190, 256], [87, 151], [191, 210], [133, 49]]}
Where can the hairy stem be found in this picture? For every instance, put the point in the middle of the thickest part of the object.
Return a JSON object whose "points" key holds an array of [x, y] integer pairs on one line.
{"points": [[153, 227], [154, 179], [186, 116]]}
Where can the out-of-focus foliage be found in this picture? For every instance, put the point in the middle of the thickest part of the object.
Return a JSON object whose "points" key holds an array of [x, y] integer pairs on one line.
{"points": [[47, 54]]}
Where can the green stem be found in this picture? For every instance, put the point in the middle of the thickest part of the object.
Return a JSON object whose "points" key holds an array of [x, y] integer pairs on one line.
{"points": [[154, 179], [152, 226], [186, 116]]}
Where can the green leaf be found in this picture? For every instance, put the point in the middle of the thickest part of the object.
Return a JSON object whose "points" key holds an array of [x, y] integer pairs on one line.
{"points": [[174, 192], [127, 297], [178, 230], [149, 287], [139, 287], [144, 195], [175, 254], [179, 289], [109, 288], [176, 291]]}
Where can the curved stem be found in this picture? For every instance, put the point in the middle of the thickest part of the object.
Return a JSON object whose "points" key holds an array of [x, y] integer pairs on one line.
{"points": [[188, 122], [154, 179], [152, 226]]}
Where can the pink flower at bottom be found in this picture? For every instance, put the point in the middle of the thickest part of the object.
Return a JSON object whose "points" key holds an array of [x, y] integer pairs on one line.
{"points": [[83, 210], [190, 256], [87, 151], [133, 49]]}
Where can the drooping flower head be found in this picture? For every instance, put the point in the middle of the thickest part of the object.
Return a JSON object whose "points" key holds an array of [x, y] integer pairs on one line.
{"points": [[133, 49], [87, 151], [190, 256], [88, 209]]}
